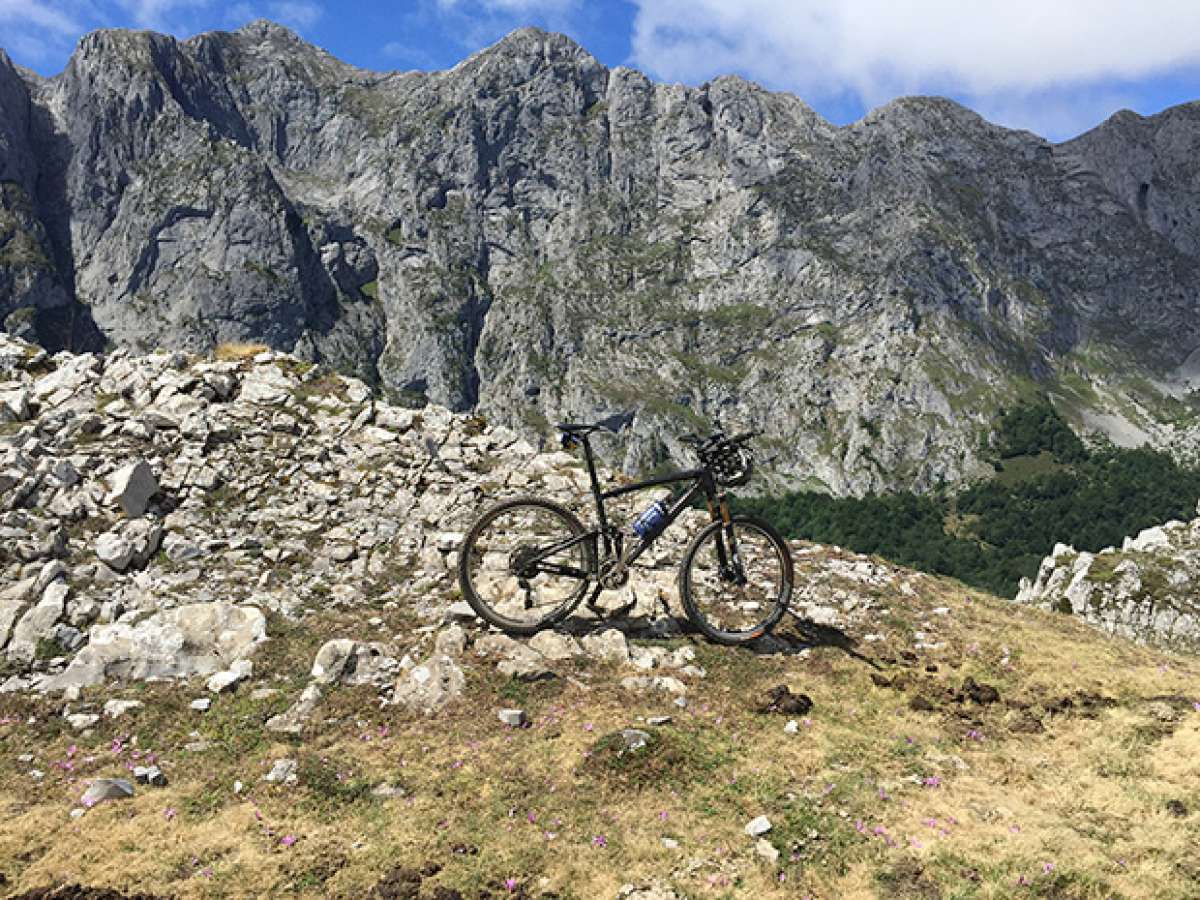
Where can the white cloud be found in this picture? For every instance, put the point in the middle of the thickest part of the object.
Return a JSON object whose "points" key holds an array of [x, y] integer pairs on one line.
{"points": [[35, 32], [34, 14], [876, 49], [299, 14]]}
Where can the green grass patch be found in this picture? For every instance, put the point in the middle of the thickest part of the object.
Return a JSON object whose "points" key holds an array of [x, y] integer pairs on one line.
{"points": [[672, 757]]}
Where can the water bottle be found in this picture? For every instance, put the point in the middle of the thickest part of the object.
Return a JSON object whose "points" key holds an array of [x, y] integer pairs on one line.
{"points": [[651, 520]]}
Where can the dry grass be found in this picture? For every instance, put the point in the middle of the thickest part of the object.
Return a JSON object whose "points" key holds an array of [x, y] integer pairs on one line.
{"points": [[233, 351], [1077, 810]]}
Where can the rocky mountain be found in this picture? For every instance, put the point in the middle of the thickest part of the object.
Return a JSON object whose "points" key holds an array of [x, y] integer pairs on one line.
{"points": [[534, 236]]}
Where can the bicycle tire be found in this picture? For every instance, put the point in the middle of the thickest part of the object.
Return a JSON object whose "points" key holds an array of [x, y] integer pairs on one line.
{"points": [[469, 553], [774, 609]]}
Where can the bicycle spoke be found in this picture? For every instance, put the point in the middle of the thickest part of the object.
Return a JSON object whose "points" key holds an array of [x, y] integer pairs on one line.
{"points": [[736, 585]]}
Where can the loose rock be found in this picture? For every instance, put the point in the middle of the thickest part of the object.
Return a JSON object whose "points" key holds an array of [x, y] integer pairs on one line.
{"points": [[758, 826], [103, 789]]}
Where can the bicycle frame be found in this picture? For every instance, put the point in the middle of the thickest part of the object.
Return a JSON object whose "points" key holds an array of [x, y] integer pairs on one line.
{"points": [[702, 483]]}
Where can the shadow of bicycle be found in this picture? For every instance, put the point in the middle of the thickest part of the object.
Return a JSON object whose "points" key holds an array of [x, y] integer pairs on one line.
{"points": [[789, 638]]}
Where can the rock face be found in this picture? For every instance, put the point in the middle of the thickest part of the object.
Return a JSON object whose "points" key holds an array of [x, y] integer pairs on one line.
{"points": [[534, 236], [1149, 590]]}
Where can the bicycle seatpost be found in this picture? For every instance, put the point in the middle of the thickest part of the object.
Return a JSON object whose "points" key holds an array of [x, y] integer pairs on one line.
{"points": [[590, 460]]}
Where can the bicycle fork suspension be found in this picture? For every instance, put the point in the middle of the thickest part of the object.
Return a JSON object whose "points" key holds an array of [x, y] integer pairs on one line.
{"points": [[729, 558]]}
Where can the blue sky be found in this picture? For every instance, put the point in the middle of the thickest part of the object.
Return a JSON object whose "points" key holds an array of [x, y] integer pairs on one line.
{"points": [[1056, 67]]}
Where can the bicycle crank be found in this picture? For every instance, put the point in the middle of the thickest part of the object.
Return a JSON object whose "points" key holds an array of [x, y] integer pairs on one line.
{"points": [[614, 575]]}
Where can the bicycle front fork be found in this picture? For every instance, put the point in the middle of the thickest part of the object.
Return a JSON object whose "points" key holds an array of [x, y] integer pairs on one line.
{"points": [[729, 560]]}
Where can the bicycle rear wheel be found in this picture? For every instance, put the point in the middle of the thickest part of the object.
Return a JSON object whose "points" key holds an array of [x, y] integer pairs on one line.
{"points": [[525, 564], [735, 581]]}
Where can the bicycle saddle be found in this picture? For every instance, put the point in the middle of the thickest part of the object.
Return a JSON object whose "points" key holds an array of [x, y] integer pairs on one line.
{"points": [[613, 423]]}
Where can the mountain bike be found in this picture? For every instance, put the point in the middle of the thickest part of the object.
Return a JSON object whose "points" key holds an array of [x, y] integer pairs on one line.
{"points": [[528, 562]]}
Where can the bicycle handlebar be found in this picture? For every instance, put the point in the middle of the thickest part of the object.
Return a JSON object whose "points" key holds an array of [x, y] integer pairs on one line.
{"points": [[719, 438]]}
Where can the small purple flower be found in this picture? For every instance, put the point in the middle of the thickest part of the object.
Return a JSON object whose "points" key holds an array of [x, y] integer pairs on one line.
{"points": [[288, 840], [169, 813], [933, 782], [1048, 867], [600, 841], [510, 884]]}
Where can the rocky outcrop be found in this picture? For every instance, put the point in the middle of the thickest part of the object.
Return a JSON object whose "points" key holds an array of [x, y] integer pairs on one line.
{"points": [[285, 493], [197, 639], [536, 237], [1146, 590]]}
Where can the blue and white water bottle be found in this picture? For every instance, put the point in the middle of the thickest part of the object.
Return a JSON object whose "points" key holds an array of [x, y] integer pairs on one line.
{"points": [[651, 520]]}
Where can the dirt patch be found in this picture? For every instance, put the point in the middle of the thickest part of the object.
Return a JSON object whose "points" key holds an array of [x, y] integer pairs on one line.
{"points": [[1083, 703], [79, 892], [780, 699], [405, 884], [906, 878]]}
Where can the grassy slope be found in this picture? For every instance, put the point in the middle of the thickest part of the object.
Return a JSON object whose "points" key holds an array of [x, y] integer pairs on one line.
{"points": [[1079, 810]]}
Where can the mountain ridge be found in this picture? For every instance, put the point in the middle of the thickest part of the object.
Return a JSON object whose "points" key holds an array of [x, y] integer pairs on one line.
{"points": [[535, 236]]}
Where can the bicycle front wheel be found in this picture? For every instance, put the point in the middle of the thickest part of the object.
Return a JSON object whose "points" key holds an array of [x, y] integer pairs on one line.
{"points": [[735, 581], [525, 564]]}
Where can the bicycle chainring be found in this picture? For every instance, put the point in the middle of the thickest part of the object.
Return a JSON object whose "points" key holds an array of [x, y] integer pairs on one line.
{"points": [[614, 575]]}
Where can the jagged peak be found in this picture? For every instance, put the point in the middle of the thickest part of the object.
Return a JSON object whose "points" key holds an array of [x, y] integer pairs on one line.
{"points": [[921, 106], [266, 28], [1130, 120], [527, 41]]}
